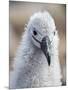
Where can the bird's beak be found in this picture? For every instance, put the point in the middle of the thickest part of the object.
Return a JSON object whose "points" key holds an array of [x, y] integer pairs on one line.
{"points": [[44, 48]]}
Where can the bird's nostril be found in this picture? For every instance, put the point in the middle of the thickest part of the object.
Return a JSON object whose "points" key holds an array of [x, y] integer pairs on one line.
{"points": [[48, 40]]}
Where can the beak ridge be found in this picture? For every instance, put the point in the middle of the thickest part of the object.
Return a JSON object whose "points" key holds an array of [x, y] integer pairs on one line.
{"points": [[44, 48]]}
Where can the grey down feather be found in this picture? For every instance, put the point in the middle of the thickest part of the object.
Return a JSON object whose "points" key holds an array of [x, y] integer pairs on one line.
{"points": [[33, 67]]}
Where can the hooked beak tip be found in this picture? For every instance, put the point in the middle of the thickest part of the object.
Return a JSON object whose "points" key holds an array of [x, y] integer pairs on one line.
{"points": [[48, 59]]}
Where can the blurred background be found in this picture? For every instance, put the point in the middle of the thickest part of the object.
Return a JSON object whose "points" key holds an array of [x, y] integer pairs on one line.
{"points": [[19, 14]]}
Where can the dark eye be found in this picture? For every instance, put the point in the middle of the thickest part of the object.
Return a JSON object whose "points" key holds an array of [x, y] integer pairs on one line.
{"points": [[54, 32], [34, 32]]}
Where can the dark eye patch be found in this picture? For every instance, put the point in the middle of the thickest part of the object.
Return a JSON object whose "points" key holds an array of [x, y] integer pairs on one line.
{"points": [[34, 32]]}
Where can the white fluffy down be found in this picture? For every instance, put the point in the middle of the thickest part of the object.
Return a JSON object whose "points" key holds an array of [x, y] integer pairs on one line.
{"points": [[30, 67]]}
